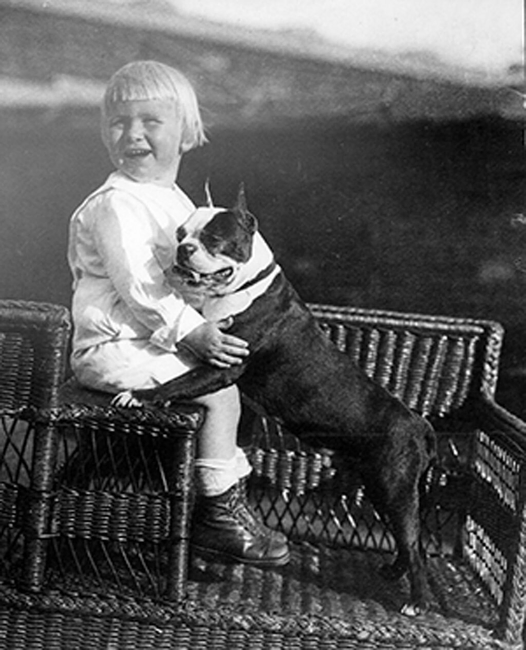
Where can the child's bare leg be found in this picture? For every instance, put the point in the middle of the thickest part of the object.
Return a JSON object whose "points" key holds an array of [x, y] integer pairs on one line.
{"points": [[218, 435], [223, 526]]}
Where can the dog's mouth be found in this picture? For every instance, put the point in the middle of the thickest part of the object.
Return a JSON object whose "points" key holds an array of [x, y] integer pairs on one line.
{"points": [[196, 278]]}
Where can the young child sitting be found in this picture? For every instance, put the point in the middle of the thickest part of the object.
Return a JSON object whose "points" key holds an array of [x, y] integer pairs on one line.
{"points": [[130, 329]]}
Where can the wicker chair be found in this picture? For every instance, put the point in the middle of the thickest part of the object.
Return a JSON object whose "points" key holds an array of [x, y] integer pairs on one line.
{"points": [[331, 594]]}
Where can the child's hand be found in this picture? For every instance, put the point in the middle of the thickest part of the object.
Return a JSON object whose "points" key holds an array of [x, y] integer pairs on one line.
{"points": [[209, 342]]}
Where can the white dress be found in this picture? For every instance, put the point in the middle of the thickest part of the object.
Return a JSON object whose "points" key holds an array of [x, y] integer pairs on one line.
{"points": [[127, 318]]}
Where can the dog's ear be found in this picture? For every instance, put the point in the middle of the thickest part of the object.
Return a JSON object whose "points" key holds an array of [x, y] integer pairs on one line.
{"points": [[208, 194], [241, 202], [241, 209]]}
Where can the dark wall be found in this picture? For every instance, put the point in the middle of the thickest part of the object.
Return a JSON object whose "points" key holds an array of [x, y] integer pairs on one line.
{"points": [[411, 217], [415, 217]]}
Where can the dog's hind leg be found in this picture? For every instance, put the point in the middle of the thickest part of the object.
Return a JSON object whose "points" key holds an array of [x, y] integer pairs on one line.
{"points": [[405, 526], [395, 496]]}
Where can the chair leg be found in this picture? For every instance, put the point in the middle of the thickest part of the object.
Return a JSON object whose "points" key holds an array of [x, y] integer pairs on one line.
{"points": [[37, 527], [181, 485]]}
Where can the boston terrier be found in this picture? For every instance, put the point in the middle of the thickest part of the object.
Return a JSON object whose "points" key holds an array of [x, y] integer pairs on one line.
{"points": [[226, 270]]}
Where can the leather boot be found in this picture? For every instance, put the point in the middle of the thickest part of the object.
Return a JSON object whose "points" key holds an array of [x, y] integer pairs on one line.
{"points": [[225, 529], [278, 537]]}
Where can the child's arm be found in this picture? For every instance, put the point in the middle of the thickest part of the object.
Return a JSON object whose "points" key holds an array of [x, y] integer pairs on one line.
{"points": [[126, 237]]}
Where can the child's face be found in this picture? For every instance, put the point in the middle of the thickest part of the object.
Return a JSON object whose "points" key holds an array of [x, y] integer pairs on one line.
{"points": [[143, 138]]}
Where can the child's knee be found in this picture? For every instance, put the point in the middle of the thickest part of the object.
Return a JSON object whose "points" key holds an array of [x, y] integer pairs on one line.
{"points": [[227, 398]]}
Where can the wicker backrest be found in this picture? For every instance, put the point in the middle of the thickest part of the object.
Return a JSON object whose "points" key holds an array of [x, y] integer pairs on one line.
{"points": [[33, 353], [432, 363]]}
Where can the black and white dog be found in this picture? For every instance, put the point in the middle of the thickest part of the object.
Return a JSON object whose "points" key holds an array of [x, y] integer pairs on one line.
{"points": [[226, 269]]}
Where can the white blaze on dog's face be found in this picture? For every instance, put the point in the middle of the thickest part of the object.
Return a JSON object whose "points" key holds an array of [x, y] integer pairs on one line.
{"points": [[214, 243]]}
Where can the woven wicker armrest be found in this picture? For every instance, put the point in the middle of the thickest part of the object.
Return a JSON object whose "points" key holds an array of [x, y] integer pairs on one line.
{"points": [[485, 412], [183, 417], [495, 538], [33, 352], [79, 405]]}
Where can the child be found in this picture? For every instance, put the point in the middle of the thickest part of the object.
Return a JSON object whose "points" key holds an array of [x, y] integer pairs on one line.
{"points": [[130, 329]]}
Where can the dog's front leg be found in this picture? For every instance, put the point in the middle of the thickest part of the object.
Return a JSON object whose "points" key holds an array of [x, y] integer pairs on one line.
{"points": [[202, 380]]}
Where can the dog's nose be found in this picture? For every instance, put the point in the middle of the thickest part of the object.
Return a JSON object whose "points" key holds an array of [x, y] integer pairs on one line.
{"points": [[185, 251]]}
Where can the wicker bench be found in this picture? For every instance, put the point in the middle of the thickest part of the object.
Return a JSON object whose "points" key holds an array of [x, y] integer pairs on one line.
{"points": [[330, 595]]}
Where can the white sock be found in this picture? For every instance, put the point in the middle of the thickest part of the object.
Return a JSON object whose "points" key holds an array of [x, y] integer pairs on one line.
{"points": [[244, 468], [214, 476]]}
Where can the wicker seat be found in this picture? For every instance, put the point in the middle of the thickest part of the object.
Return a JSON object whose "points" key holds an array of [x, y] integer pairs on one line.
{"points": [[331, 594]]}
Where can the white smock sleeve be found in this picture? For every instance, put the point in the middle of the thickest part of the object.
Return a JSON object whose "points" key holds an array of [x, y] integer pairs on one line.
{"points": [[130, 244]]}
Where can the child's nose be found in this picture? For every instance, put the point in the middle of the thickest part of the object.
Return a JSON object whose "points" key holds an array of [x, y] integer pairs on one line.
{"points": [[135, 130]]}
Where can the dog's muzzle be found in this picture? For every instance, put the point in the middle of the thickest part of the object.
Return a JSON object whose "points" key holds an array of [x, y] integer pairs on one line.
{"points": [[195, 278]]}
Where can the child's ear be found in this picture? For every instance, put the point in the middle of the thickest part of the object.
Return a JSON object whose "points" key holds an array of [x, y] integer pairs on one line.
{"points": [[184, 147]]}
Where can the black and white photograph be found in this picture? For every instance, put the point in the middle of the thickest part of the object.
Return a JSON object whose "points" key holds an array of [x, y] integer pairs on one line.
{"points": [[262, 325]]}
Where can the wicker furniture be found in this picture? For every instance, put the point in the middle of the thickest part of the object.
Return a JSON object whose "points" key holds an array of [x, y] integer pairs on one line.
{"points": [[91, 493], [330, 595], [33, 344], [123, 495]]}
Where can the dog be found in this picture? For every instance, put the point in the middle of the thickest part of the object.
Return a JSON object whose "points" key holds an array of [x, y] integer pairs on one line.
{"points": [[226, 270]]}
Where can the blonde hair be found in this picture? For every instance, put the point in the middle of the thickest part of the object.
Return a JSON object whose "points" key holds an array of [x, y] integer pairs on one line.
{"points": [[145, 80]]}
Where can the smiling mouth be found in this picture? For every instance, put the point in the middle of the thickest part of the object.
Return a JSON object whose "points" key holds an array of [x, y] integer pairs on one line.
{"points": [[136, 153]]}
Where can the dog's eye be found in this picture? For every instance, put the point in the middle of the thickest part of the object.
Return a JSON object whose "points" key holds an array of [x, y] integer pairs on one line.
{"points": [[211, 240], [180, 233]]}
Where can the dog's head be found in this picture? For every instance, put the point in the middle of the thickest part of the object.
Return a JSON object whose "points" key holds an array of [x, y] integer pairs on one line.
{"points": [[214, 243]]}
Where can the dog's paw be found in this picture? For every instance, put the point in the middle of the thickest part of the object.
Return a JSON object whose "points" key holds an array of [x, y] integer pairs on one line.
{"points": [[126, 400], [417, 607], [411, 610]]}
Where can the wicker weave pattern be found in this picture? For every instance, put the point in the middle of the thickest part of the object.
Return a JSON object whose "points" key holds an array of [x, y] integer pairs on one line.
{"points": [[324, 599], [121, 493], [430, 363], [33, 344], [33, 340]]}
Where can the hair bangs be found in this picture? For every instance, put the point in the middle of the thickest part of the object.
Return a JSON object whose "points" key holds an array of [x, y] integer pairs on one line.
{"points": [[136, 82]]}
